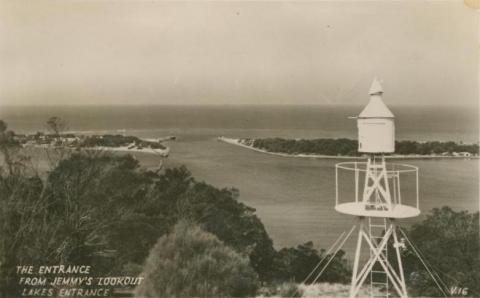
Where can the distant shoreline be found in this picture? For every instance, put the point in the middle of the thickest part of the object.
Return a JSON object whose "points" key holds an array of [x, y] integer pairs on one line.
{"points": [[238, 142], [106, 142], [162, 152]]}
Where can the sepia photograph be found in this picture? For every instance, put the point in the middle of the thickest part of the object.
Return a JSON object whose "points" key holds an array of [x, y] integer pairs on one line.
{"points": [[262, 149]]}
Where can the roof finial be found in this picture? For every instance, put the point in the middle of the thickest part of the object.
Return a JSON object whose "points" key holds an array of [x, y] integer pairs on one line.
{"points": [[376, 88]]}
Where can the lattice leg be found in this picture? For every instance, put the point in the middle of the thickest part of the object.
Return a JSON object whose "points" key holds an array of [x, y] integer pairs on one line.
{"points": [[377, 246]]}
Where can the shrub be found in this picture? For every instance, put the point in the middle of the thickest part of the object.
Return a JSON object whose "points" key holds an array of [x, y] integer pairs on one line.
{"points": [[296, 263], [190, 262], [449, 241], [219, 212]]}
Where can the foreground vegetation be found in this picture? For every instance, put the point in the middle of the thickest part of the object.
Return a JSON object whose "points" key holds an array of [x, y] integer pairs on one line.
{"points": [[348, 147], [190, 262], [184, 236], [102, 209], [449, 242]]}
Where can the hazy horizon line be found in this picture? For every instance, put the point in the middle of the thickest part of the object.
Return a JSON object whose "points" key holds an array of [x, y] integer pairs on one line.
{"points": [[10, 105]]}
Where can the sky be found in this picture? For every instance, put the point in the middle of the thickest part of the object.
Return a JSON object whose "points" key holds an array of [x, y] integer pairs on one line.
{"points": [[269, 52]]}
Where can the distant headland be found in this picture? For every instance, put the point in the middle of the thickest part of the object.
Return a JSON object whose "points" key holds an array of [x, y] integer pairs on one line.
{"points": [[347, 148], [113, 142]]}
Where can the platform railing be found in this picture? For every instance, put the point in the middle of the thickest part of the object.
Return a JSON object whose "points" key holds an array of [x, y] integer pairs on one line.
{"points": [[394, 172]]}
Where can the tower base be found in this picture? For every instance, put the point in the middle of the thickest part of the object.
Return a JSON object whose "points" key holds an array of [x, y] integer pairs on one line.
{"points": [[378, 262]]}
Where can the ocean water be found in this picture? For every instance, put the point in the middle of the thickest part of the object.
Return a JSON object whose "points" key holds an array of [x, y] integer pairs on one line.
{"points": [[415, 123], [294, 197]]}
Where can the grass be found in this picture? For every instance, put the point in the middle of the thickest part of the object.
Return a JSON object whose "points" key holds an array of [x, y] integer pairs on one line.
{"points": [[314, 291], [335, 290]]}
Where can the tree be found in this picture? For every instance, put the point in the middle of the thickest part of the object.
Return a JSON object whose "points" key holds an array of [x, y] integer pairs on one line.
{"points": [[13, 160], [56, 126], [296, 263], [102, 209], [88, 195], [449, 242], [19, 209], [190, 262], [69, 217], [219, 212]]}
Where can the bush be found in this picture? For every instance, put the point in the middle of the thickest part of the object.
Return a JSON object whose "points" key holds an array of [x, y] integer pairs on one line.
{"points": [[219, 212], [190, 262], [450, 243], [296, 263]]}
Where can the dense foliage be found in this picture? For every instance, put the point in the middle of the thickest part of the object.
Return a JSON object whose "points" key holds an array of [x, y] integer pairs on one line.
{"points": [[317, 146], [100, 209], [192, 263], [449, 242], [349, 147], [296, 264], [424, 148]]}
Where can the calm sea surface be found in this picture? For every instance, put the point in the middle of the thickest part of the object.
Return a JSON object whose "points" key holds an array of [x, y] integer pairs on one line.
{"points": [[294, 197]]}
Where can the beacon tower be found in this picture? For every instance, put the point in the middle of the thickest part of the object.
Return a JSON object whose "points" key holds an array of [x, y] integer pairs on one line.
{"points": [[378, 199]]}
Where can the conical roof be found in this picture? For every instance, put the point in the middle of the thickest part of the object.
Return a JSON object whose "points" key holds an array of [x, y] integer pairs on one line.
{"points": [[376, 88], [376, 108]]}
